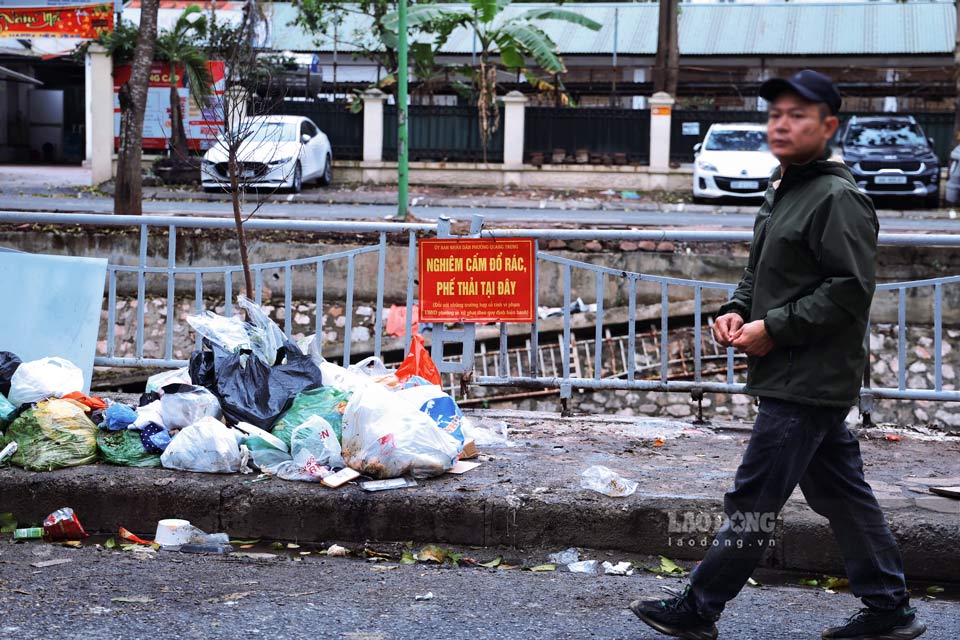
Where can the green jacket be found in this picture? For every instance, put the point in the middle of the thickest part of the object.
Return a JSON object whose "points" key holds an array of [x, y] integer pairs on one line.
{"points": [[810, 278]]}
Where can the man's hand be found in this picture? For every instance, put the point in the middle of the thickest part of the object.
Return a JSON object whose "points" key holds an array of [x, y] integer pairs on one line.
{"points": [[725, 326], [753, 339]]}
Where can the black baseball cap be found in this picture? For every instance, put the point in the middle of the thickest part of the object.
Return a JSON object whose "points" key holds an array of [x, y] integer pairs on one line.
{"points": [[810, 84]]}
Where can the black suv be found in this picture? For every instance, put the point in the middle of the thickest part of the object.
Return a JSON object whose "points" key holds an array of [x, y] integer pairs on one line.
{"points": [[890, 156]]}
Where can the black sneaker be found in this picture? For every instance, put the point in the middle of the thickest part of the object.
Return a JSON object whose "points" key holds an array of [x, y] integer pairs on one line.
{"points": [[878, 624], [675, 616]]}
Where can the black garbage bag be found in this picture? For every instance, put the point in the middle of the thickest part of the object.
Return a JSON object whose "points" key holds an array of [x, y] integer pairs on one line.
{"points": [[249, 390], [8, 365]]}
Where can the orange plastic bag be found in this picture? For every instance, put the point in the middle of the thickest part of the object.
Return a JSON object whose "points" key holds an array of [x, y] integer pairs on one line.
{"points": [[418, 363], [90, 401]]}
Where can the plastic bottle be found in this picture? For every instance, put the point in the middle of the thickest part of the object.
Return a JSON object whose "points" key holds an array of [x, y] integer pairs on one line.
{"points": [[8, 452]]}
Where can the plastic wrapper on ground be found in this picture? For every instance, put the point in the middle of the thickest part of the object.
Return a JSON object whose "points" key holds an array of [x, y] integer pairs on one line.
{"points": [[607, 482]]}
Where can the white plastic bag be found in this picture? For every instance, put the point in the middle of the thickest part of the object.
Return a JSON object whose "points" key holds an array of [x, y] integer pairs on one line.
{"points": [[229, 333], [187, 406], [372, 367], [261, 335], [607, 482], [207, 446], [265, 336], [148, 413], [44, 378], [339, 378], [386, 437], [162, 379]]}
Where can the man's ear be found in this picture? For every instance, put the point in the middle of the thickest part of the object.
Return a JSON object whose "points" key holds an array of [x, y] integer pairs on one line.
{"points": [[832, 123]]}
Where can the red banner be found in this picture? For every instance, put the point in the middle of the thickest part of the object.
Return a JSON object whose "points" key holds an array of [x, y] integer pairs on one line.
{"points": [[470, 280], [87, 21]]}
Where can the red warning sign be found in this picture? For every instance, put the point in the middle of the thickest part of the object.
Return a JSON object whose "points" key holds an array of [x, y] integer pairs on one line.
{"points": [[472, 280]]}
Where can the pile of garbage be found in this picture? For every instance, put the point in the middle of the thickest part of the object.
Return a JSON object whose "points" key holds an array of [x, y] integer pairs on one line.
{"points": [[250, 399]]}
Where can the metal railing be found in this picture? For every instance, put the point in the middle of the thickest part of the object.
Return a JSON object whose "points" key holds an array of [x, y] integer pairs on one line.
{"points": [[700, 384], [168, 268], [689, 293]]}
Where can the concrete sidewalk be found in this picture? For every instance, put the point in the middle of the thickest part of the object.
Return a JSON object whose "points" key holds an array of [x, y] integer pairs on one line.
{"points": [[529, 495]]}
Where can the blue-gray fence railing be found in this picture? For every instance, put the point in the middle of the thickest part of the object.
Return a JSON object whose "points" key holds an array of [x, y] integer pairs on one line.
{"points": [[172, 225], [530, 376], [567, 382]]}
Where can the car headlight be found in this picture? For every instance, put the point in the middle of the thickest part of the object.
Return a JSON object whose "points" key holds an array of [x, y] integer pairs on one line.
{"points": [[275, 163], [706, 166]]}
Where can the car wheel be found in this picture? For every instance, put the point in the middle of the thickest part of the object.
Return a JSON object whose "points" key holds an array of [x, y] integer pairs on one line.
{"points": [[327, 176], [297, 183], [932, 201]]}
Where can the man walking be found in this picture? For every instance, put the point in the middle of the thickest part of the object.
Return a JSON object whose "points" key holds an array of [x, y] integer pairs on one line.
{"points": [[800, 314]]}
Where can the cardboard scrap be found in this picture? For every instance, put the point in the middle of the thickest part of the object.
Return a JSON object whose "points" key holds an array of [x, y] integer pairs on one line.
{"points": [[469, 450], [340, 478], [463, 467]]}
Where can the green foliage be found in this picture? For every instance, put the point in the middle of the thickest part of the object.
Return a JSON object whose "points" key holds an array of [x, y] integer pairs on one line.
{"points": [[180, 48]]}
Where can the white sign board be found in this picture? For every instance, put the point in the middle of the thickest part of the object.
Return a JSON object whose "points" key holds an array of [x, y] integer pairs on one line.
{"points": [[52, 307], [691, 128]]}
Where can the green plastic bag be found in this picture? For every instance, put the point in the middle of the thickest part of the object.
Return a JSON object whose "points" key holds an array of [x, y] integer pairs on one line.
{"points": [[326, 402], [124, 448], [53, 435], [6, 410]]}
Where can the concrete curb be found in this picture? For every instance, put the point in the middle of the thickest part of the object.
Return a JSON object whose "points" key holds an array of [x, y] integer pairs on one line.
{"points": [[449, 510]]}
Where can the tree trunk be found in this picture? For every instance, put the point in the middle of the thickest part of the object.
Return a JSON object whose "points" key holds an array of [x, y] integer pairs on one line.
{"points": [[233, 167], [133, 102], [666, 67], [178, 137]]}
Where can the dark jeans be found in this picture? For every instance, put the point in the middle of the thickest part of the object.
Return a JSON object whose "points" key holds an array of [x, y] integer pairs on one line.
{"points": [[791, 444]]}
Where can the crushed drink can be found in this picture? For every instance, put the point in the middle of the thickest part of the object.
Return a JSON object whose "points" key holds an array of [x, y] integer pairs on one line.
{"points": [[30, 533], [63, 524]]}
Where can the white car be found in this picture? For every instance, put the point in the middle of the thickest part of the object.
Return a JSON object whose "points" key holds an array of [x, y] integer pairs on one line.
{"points": [[275, 152], [734, 161]]}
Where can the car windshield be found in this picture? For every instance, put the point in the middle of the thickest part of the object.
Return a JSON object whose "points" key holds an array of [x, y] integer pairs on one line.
{"points": [[884, 134], [736, 140], [269, 131]]}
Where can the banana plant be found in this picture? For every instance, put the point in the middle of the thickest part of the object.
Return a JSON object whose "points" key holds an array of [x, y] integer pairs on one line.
{"points": [[509, 42]]}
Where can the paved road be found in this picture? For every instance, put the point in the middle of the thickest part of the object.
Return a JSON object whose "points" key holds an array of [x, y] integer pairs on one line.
{"points": [[203, 597], [93, 204]]}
